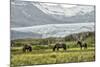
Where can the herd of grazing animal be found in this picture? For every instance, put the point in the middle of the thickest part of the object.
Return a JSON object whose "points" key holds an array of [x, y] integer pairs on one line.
{"points": [[57, 46]]}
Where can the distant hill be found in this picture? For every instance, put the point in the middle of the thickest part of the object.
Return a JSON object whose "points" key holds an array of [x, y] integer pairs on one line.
{"points": [[51, 30], [82, 36], [23, 35], [87, 36]]}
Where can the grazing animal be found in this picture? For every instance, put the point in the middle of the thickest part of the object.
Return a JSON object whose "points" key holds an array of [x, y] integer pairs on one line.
{"points": [[82, 44], [59, 45], [27, 48]]}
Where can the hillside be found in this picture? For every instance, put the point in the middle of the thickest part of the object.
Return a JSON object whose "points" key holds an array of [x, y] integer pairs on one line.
{"points": [[89, 37], [52, 30], [25, 14]]}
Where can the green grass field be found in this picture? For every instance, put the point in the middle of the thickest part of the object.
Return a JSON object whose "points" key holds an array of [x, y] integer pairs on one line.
{"points": [[42, 52], [47, 56]]}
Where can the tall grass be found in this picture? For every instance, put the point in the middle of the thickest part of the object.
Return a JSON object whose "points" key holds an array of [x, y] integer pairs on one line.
{"points": [[47, 56]]}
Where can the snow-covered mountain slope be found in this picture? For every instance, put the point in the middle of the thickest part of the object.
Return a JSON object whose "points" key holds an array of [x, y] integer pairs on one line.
{"points": [[25, 13], [57, 30], [63, 9]]}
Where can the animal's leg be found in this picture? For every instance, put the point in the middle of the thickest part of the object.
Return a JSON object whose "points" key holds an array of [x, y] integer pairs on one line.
{"points": [[26, 50], [54, 49], [30, 49], [57, 49], [85, 47], [64, 48]]}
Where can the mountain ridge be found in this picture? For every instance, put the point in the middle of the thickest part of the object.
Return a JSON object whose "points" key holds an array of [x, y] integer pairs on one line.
{"points": [[24, 14]]}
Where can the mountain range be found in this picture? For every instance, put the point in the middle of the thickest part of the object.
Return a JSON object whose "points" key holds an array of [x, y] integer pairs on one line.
{"points": [[26, 13], [51, 30], [41, 20]]}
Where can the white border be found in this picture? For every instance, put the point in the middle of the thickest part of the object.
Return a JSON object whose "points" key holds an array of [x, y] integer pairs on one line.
{"points": [[5, 32]]}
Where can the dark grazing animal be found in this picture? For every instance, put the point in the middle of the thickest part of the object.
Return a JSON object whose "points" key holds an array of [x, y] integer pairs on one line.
{"points": [[82, 44], [59, 45], [27, 48]]}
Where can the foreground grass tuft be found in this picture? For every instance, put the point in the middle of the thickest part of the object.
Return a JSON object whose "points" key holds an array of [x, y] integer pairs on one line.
{"points": [[49, 57]]}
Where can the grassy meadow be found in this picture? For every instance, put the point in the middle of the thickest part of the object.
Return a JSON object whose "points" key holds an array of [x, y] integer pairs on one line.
{"points": [[42, 52]]}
